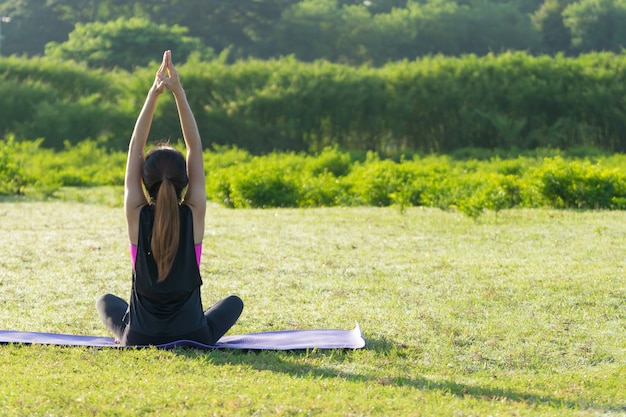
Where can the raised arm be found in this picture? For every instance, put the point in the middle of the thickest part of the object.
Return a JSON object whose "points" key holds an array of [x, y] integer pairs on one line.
{"points": [[195, 197], [134, 198]]}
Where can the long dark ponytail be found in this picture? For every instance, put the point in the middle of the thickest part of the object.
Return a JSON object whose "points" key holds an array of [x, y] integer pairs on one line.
{"points": [[165, 177]]}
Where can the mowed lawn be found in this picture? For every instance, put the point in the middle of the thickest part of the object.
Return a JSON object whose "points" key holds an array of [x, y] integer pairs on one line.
{"points": [[523, 313]]}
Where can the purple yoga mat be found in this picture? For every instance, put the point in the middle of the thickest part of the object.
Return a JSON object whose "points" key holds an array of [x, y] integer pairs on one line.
{"points": [[278, 340]]}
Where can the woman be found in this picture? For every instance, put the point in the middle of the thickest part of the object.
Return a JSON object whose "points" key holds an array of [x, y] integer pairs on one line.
{"points": [[165, 236]]}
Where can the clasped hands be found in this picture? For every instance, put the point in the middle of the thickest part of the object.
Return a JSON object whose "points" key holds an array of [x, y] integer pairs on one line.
{"points": [[167, 76]]}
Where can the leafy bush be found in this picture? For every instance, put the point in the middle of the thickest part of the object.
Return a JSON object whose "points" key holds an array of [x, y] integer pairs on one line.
{"points": [[470, 186], [262, 182], [581, 184], [12, 176], [25, 164], [330, 161], [379, 182], [323, 190], [238, 179]]}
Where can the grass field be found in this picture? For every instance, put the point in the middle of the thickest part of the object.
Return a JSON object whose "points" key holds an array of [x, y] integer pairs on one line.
{"points": [[523, 314]]}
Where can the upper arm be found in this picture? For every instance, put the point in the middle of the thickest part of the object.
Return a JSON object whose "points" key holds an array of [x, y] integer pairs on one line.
{"points": [[134, 197], [195, 197], [196, 191]]}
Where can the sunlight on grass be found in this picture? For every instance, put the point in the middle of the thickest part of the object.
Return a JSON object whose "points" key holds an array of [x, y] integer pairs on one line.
{"points": [[520, 314]]}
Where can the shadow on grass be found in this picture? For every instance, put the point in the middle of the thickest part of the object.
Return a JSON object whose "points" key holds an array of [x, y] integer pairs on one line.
{"points": [[293, 364]]}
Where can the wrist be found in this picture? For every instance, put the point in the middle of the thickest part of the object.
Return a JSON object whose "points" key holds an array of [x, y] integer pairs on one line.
{"points": [[179, 93], [154, 92]]}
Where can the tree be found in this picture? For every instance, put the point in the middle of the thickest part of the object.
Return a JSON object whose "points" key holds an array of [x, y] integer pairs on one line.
{"points": [[524, 6], [446, 27], [85, 11], [243, 26], [124, 43], [484, 27], [376, 6], [32, 25], [597, 25], [548, 20], [309, 30]]}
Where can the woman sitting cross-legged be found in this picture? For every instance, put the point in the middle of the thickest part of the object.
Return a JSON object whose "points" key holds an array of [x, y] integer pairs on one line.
{"points": [[166, 236]]}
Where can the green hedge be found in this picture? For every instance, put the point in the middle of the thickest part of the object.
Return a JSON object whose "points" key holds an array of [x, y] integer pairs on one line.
{"points": [[435, 104], [296, 180], [60, 101], [239, 179]]}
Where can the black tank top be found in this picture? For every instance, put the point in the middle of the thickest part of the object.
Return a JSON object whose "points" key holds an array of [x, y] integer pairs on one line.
{"points": [[172, 307]]}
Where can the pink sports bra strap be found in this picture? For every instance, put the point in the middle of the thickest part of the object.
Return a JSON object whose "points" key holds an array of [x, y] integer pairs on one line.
{"points": [[198, 249]]}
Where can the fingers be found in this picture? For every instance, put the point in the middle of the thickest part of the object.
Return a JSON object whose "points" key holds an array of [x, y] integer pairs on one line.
{"points": [[167, 61], [170, 66], [163, 75], [167, 75], [163, 64]]}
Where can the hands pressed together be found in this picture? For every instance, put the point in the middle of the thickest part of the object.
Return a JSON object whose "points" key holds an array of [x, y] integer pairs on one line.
{"points": [[167, 76]]}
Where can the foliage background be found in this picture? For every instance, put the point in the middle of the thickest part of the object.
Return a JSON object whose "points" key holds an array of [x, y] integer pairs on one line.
{"points": [[300, 75], [347, 31], [239, 179], [348, 83], [512, 101]]}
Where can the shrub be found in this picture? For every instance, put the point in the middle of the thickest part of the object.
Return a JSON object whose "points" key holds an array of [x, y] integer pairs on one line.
{"points": [[580, 184], [323, 190], [237, 179], [12, 176], [264, 189], [382, 182], [330, 161]]}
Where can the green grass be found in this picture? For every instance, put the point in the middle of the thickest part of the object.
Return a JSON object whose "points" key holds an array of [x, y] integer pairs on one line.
{"points": [[519, 314]]}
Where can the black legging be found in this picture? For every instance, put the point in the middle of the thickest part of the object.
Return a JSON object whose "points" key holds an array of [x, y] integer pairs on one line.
{"points": [[220, 318]]}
